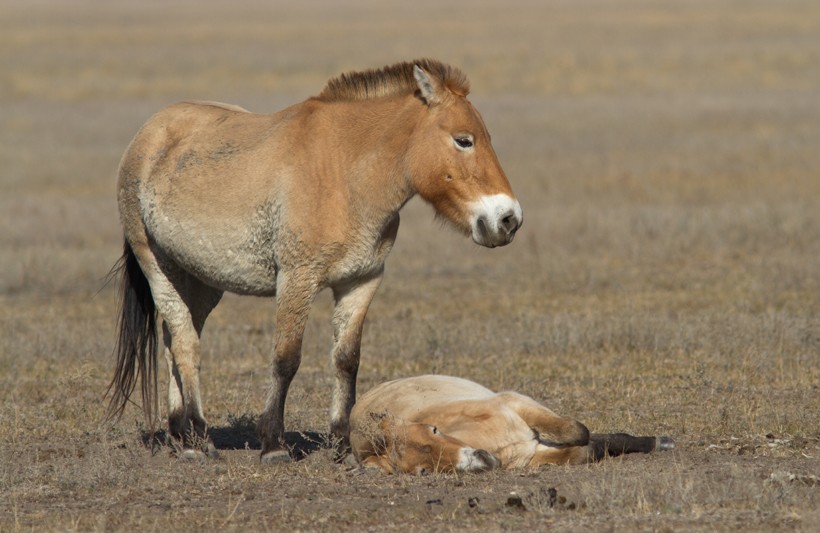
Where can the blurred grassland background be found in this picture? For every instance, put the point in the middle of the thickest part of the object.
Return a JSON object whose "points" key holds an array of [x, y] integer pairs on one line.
{"points": [[666, 279]]}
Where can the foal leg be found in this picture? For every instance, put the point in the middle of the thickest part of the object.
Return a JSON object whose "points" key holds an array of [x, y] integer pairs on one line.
{"points": [[294, 295], [601, 445], [570, 455], [614, 444], [552, 429], [352, 302]]}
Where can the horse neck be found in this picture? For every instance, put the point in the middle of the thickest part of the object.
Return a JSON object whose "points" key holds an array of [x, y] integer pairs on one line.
{"points": [[374, 136]]}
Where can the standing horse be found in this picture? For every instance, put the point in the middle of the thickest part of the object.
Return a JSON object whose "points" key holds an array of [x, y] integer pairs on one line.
{"points": [[213, 198]]}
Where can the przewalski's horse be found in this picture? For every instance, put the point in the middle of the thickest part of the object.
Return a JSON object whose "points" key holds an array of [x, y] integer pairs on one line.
{"points": [[442, 423], [213, 198]]}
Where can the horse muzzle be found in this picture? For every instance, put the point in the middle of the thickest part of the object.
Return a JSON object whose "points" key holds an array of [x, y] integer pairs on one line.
{"points": [[472, 460], [495, 219]]}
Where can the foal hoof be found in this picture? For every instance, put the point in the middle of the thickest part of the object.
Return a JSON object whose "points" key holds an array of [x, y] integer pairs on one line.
{"points": [[275, 457], [663, 444]]}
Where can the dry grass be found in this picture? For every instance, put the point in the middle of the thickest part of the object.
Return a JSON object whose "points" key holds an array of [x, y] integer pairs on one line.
{"points": [[666, 279]]}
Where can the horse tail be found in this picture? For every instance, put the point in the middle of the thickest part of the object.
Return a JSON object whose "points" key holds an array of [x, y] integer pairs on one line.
{"points": [[136, 348]]}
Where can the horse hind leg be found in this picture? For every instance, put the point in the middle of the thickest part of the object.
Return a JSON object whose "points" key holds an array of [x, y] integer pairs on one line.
{"points": [[186, 419], [601, 445], [614, 444], [184, 303], [551, 428]]}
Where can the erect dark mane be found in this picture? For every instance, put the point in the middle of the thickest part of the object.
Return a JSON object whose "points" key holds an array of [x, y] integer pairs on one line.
{"points": [[392, 80]]}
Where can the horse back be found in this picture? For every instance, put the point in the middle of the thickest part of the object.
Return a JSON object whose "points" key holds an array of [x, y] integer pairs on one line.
{"points": [[205, 181]]}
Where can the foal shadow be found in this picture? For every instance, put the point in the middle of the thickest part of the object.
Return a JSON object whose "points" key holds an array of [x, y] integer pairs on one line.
{"points": [[240, 434]]}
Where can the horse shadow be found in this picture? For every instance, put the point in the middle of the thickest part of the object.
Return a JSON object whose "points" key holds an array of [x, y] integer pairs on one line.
{"points": [[240, 434]]}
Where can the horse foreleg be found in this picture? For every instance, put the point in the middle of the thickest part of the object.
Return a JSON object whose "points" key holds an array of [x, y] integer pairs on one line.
{"points": [[352, 302], [293, 299]]}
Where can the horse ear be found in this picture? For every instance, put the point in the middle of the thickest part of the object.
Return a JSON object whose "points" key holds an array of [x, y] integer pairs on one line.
{"points": [[377, 417], [387, 425], [429, 88]]}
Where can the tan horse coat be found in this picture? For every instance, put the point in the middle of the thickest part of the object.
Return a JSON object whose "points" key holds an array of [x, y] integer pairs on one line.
{"points": [[214, 198], [441, 423]]}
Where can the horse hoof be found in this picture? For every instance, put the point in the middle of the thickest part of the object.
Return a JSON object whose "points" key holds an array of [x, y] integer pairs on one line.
{"points": [[211, 452], [275, 457], [348, 460], [191, 455], [663, 444]]}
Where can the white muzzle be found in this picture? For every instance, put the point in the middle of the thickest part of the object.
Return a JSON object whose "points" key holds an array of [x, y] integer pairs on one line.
{"points": [[495, 219]]}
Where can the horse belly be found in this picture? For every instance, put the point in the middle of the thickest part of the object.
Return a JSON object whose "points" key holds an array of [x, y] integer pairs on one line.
{"points": [[208, 211], [231, 256]]}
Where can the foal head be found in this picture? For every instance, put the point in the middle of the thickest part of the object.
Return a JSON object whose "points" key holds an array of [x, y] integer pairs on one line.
{"points": [[415, 448], [452, 164]]}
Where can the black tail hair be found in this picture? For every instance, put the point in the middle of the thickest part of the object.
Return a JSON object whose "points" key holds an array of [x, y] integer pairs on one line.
{"points": [[136, 348]]}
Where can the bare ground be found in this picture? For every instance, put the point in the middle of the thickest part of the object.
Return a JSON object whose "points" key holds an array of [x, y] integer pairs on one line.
{"points": [[666, 280]]}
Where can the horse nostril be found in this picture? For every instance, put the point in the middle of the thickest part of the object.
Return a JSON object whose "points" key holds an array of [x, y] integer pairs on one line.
{"points": [[482, 225], [509, 223], [488, 460]]}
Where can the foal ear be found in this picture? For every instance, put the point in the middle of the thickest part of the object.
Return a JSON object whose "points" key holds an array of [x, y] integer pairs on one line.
{"points": [[387, 425], [429, 88], [377, 417]]}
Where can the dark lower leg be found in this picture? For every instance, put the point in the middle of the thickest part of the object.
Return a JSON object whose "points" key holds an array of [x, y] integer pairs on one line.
{"points": [[186, 425], [271, 426], [344, 396], [614, 444]]}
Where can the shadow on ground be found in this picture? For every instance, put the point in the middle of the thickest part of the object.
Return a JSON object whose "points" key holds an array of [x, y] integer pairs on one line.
{"points": [[240, 434]]}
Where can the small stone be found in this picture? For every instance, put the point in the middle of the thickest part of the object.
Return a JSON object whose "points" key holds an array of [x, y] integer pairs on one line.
{"points": [[514, 501], [552, 494]]}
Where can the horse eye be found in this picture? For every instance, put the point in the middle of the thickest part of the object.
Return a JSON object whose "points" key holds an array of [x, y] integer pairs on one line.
{"points": [[464, 142]]}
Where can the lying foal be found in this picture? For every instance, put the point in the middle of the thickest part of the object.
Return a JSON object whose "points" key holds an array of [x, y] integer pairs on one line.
{"points": [[443, 423]]}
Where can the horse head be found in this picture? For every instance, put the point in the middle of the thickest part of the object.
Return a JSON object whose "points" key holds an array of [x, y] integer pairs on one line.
{"points": [[452, 165], [415, 447]]}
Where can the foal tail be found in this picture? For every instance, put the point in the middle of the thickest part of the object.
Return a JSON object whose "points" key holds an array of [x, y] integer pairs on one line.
{"points": [[136, 347]]}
